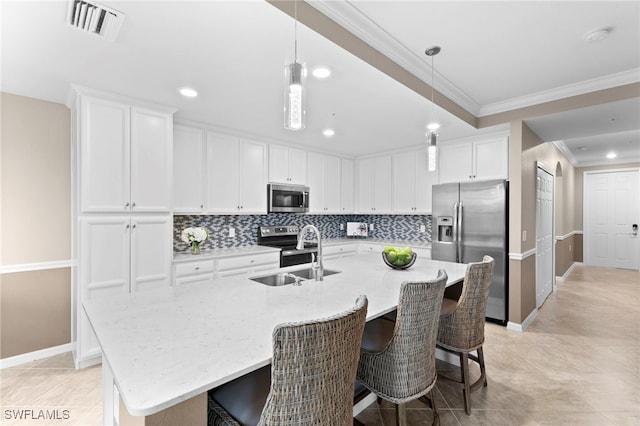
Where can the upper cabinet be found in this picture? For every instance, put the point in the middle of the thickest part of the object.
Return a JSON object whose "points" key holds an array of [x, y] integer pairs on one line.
{"points": [[324, 183], [125, 157], [287, 165], [374, 185], [236, 175], [481, 159], [346, 187], [412, 183], [189, 169]]}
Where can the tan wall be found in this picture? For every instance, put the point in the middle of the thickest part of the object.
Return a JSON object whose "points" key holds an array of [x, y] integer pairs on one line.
{"points": [[565, 254], [35, 218]]}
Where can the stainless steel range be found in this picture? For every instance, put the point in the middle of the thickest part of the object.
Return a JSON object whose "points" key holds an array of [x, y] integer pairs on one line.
{"points": [[285, 238]]}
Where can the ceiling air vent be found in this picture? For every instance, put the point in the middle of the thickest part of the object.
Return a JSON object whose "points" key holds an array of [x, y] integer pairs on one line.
{"points": [[95, 18]]}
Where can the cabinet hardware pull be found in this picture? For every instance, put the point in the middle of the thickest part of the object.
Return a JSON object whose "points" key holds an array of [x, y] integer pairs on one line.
{"points": [[197, 267], [134, 225], [133, 204], [126, 205], [126, 227]]}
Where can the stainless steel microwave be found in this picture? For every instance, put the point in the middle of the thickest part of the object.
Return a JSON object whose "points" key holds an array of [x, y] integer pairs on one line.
{"points": [[285, 198]]}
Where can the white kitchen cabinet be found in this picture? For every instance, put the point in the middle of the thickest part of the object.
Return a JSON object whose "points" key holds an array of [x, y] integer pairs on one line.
{"points": [[346, 185], [197, 271], [189, 169], [240, 265], [125, 157], [482, 159], [287, 165], [236, 175], [119, 254], [339, 250], [122, 160], [412, 182], [324, 183], [374, 185]]}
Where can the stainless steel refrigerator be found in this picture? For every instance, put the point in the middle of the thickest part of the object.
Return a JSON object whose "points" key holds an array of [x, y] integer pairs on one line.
{"points": [[470, 220]]}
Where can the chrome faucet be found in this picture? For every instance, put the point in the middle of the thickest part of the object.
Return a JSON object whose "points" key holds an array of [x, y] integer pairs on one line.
{"points": [[316, 264]]}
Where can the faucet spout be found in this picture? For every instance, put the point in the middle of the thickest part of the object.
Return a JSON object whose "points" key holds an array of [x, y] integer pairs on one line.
{"points": [[317, 265]]}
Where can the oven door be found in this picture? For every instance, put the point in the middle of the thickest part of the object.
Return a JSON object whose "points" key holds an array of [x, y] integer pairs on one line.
{"points": [[297, 257], [287, 198]]}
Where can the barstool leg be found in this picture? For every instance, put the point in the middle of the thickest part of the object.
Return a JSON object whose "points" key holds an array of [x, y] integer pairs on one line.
{"points": [[483, 371], [466, 391], [401, 414]]}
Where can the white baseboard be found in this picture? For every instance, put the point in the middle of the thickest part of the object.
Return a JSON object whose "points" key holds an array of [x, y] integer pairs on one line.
{"points": [[13, 361], [568, 271], [514, 326]]}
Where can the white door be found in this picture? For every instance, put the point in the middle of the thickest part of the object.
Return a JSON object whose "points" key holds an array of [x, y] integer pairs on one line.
{"points": [[544, 236], [347, 185], [333, 183], [610, 212], [297, 166], [491, 159], [365, 185], [455, 162], [382, 182], [404, 182], [222, 174], [252, 181], [151, 250], [317, 201], [189, 162], [151, 160]]}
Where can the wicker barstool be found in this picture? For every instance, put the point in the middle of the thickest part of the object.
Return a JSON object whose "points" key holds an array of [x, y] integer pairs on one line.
{"points": [[310, 380], [461, 329], [397, 360]]}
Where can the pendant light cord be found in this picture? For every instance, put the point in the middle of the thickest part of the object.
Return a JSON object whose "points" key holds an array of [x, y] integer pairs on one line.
{"points": [[432, 107], [295, 31]]}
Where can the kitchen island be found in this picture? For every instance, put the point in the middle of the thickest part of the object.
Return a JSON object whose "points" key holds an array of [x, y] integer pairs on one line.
{"points": [[164, 349]]}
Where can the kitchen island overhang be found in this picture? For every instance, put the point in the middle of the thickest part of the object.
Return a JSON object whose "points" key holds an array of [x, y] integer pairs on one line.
{"points": [[163, 347]]}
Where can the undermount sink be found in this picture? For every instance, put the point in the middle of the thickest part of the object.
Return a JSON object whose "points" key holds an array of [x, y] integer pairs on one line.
{"points": [[307, 274], [282, 278], [274, 280]]}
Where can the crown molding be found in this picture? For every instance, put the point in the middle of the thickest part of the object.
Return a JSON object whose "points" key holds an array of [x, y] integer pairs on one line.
{"points": [[565, 151]]}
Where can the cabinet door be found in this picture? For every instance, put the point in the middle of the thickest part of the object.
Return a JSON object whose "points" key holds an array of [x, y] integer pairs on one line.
{"points": [[189, 161], [297, 166], [278, 164], [347, 186], [253, 177], [222, 173], [104, 156], [383, 184], [424, 181], [151, 246], [333, 185], [455, 162], [104, 256], [404, 182], [151, 160], [491, 159], [317, 183], [365, 185]]}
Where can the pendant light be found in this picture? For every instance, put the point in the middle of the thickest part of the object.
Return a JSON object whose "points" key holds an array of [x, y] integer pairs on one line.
{"points": [[295, 75], [433, 126]]}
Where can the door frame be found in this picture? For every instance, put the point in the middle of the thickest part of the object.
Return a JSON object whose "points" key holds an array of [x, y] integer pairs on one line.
{"points": [[585, 211], [554, 288]]}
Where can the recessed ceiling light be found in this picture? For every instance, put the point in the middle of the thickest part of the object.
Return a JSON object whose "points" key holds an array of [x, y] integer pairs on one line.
{"points": [[328, 132], [188, 92], [597, 35], [321, 71], [611, 155]]}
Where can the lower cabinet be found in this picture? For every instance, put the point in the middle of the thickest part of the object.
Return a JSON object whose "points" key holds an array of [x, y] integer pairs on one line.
{"points": [[246, 264], [118, 255], [194, 272], [339, 251]]}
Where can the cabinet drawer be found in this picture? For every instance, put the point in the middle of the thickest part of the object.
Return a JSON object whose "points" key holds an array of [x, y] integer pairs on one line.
{"points": [[191, 268], [339, 250], [249, 261]]}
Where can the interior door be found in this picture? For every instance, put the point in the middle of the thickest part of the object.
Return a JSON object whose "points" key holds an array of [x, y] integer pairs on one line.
{"points": [[544, 236], [610, 213]]}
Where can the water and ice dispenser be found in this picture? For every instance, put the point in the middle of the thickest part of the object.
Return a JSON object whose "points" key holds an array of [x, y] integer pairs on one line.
{"points": [[444, 225]]}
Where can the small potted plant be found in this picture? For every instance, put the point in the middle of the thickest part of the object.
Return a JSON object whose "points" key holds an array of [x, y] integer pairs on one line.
{"points": [[193, 237]]}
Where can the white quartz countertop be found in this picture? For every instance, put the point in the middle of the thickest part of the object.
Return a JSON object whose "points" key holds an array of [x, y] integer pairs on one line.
{"points": [[166, 346]]}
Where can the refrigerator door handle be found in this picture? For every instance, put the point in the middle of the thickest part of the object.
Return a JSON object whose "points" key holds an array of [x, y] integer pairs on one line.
{"points": [[459, 235], [455, 230]]}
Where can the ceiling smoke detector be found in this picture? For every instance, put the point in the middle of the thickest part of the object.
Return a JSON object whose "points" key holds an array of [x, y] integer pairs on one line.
{"points": [[95, 18], [597, 35]]}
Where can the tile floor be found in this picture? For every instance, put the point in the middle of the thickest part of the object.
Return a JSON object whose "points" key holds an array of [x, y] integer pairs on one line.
{"points": [[578, 363]]}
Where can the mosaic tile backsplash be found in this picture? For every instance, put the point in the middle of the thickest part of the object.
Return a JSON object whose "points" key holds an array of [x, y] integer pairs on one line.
{"points": [[394, 227]]}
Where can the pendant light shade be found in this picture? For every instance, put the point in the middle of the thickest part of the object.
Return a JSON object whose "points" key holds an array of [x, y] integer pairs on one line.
{"points": [[295, 75], [433, 126], [294, 95]]}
